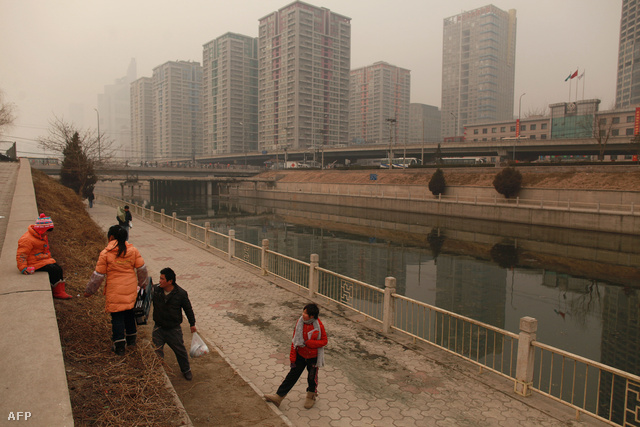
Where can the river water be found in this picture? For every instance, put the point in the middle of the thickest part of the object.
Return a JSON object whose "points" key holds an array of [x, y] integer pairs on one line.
{"points": [[582, 287]]}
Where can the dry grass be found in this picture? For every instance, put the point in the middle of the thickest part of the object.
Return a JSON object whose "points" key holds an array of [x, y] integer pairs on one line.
{"points": [[105, 389]]}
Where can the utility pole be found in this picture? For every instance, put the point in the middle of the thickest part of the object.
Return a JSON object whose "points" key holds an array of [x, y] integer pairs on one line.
{"points": [[391, 122]]}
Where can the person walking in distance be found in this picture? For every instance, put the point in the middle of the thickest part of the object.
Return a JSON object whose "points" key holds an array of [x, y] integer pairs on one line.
{"points": [[169, 300], [307, 351], [124, 218], [33, 255], [124, 269]]}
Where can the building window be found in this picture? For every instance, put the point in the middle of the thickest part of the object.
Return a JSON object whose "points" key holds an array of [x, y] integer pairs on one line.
{"points": [[532, 137], [630, 119], [475, 131], [532, 127], [630, 132], [513, 128], [602, 121], [543, 136], [494, 130], [615, 132], [615, 120], [484, 130], [523, 127], [543, 126], [503, 129]]}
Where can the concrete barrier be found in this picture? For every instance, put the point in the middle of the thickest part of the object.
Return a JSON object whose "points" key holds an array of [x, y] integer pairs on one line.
{"points": [[34, 381]]}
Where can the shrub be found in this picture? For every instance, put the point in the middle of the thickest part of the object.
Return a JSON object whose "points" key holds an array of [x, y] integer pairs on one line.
{"points": [[508, 182], [437, 183]]}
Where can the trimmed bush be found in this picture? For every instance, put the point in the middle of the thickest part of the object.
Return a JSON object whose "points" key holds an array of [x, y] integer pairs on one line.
{"points": [[508, 182], [437, 183]]}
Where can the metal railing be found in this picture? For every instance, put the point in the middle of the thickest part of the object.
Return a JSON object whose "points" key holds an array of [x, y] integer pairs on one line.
{"points": [[609, 394]]}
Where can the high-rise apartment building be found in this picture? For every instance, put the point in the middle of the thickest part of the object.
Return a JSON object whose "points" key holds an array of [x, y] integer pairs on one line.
{"points": [[379, 97], [114, 113], [478, 68], [424, 123], [230, 101], [304, 60], [177, 110], [628, 84], [142, 119]]}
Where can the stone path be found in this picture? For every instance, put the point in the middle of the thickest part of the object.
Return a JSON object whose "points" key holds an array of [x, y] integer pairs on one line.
{"points": [[369, 379]]}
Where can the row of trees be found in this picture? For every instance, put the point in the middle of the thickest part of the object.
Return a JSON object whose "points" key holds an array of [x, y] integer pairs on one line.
{"points": [[507, 182]]}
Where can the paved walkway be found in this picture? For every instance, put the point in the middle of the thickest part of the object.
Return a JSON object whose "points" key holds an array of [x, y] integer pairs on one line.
{"points": [[369, 379]]}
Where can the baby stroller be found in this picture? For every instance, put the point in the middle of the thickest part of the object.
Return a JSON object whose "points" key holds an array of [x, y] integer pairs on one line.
{"points": [[143, 304]]}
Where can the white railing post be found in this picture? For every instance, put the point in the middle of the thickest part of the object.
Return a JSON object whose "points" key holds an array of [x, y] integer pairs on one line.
{"points": [[517, 201], [526, 353], [232, 244], [313, 275], [151, 215], [206, 234], [263, 259], [162, 218], [188, 228], [173, 223], [388, 310]]}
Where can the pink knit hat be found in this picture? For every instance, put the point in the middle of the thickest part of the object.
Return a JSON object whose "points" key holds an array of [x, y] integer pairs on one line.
{"points": [[43, 224]]}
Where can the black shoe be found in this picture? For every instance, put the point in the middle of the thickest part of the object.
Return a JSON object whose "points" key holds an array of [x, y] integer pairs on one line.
{"points": [[131, 340], [188, 375], [118, 348]]}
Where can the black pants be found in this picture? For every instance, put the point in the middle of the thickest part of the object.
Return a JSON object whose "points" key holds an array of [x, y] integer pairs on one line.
{"points": [[55, 272], [173, 338], [122, 321], [295, 372]]}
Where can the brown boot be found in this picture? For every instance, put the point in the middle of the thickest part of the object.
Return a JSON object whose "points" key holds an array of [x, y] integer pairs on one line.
{"points": [[274, 398], [311, 400], [58, 291]]}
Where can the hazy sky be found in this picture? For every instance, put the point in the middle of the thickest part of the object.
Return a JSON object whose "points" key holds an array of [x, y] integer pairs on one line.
{"points": [[57, 53]]}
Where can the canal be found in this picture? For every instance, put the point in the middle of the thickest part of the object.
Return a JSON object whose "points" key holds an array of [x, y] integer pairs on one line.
{"points": [[581, 286]]}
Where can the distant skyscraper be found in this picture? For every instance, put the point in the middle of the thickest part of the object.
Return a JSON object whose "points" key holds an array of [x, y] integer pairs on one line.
{"points": [[424, 123], [142, 119], [304, 61], [478, 68], [177, 110], [230, 87], [379, 104], [114, 112], [628, 85]]}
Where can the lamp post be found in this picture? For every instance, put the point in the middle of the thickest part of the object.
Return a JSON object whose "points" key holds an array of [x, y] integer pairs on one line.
{"points": [[99, 154], [391, 122], [518, 127]]}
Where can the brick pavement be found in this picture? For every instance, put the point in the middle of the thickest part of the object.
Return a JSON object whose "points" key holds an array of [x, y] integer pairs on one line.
{"points": [[368, 380]]}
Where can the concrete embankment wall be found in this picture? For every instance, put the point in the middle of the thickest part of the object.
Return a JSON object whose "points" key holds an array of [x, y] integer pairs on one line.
{"points": [[34, 380], [415, 199]]}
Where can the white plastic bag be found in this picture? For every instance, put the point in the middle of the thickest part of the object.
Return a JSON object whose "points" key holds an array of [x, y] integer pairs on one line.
{"points": [[198, 347]]}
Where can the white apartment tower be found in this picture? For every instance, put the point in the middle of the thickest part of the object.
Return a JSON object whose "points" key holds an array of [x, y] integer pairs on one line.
{"points": [[304, 60], [379, 104], [628, 83], [478, 68], [177, 110], [230, 101], [142, 119]]}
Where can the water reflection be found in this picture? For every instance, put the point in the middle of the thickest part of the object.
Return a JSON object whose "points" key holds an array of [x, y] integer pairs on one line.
{"points": [[581, 286]]}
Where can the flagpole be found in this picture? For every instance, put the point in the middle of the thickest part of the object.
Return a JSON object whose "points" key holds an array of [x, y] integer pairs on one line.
{"points": [[569, 87], [584, 77], [577, 85]]}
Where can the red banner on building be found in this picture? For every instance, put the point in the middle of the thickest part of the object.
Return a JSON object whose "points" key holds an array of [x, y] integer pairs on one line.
{"points": [[518, 125], [636, 125]]}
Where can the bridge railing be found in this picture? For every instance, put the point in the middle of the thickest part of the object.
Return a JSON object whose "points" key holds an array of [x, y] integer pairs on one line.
{"points": [[587, 386]]}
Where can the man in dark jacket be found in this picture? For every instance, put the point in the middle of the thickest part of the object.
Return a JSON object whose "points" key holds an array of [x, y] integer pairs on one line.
{"points": [[169, 300]]}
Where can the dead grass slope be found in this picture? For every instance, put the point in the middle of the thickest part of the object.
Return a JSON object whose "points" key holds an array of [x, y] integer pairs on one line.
{"points": [[105, 389]]}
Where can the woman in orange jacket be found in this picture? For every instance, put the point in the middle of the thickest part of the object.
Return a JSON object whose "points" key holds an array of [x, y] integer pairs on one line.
{"points": [[34, 255], [125, 271]]}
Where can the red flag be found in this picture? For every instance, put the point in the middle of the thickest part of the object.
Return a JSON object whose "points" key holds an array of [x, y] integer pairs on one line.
{"points": [[571, 75], [574, 74]]}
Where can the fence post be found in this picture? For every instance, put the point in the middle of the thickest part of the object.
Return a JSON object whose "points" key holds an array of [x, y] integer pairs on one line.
{"points": [[151, 215], [188, 227], [173, 223], [517, 201], [526, 352], [206, 234], [388, 309], [162, 218], [313, 274], [263, 260], [232, 244]]}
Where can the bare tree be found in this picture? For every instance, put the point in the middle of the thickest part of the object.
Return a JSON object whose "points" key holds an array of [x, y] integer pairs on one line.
{"points": [[7, 115], [536, 112], [601, 133], [97, 148]]}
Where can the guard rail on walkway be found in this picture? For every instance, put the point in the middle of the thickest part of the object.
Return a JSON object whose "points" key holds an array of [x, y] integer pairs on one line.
{"points": [[590, 387]]}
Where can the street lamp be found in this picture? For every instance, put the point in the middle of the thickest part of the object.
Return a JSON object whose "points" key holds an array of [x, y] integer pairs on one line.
{"points": [[98, 114], [518, 127], [391, 122]]}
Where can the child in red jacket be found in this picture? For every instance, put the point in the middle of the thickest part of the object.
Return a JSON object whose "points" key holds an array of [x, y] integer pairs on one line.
{"points": [[307, 351]]}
